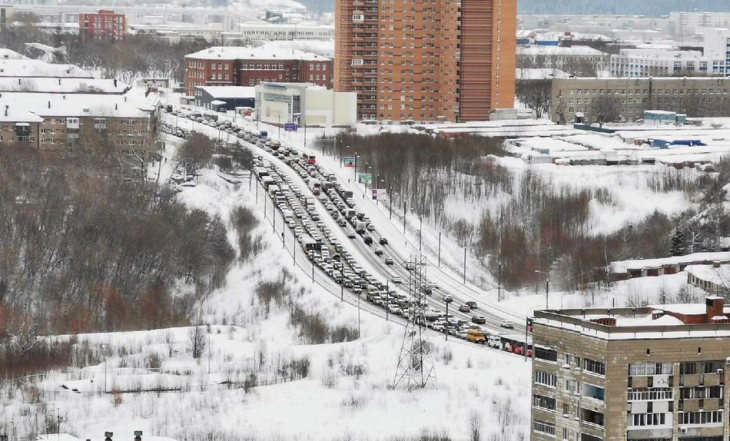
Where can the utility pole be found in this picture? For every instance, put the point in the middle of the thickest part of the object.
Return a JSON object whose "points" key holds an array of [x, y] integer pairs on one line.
{"points": [[404, 218], [387, 299], [464, 265], [420, 232], [390, 196], [358, 315], [499, 281], [527, 327], [274, 216], [305, 134], [342, 291], [446, 330], [439, 265]]}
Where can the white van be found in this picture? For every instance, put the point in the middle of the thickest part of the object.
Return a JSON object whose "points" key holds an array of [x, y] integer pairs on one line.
{"points": [[494, 341]]}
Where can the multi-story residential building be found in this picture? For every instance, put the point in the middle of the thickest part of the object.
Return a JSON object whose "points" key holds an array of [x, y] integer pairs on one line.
{"points": [[104, 24], [65, 122], [18, 127], [656, 373], [244, 66], [417, 61], [665, 63], [572, 59], [694, 96], [685, 24]]}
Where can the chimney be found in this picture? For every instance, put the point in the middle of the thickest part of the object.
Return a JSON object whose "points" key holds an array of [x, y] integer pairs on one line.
{"points": [[137, 435], [18, 80], [716, 264], [6, 109], [115, 82], [714, 306], [49, 104], [108, 436], [59, 81], [116, 106]]}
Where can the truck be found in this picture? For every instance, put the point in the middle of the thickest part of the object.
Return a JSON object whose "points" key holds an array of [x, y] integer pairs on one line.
{"points": [[273, 189], [310, 203], [347, 194], [267, 181], [288, 215], [349, 212], [360, 227], [315, 186]]}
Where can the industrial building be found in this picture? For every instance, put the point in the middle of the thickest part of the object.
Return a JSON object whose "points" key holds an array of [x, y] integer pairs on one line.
{"points": [[302, 103], [615, 374], [452, 60], [223, 98]]}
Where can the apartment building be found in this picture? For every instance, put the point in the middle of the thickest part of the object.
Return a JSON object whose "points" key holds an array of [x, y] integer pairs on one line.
{"points": [[571, 59], [424, 61], [665, 63], [104, 25], [61, 123], [656, 373], [685, 24], [697, 96], [248, 66]]}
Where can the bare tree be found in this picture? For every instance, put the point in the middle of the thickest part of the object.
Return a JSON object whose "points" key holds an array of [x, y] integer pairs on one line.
{"points": [[605, 109], [197, 341], [475, 427], [24, 338], [536, 95], [196, 152]]}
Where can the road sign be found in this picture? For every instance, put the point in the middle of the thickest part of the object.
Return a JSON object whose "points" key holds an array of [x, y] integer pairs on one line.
{"points": [[290, 127], [365, 178], [375, 195], [382, 194], [349, 161]]}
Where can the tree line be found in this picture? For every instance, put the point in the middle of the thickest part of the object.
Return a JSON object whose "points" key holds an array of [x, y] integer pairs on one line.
{"points": [[84, 248]]}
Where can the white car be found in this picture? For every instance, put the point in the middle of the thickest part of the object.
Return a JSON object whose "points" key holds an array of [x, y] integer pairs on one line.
{"points": [[397, 280]]}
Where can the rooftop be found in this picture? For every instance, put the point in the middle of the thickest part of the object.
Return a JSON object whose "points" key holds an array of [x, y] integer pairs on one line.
{"points": [[38, 68], [254, 53], [229, 91], [61, 85], [558, 50], [708, 319], [61, 105]]}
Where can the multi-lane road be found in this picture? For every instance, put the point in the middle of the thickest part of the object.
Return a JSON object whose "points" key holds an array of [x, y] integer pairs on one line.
{"points": [[296, 173]]}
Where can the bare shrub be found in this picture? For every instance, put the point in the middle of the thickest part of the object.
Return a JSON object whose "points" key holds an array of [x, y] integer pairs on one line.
{"points": [[196, 338]]}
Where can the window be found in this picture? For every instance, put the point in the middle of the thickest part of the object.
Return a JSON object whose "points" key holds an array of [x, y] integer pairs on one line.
{"points": [[591, 417], [653, 394], [640, 369], [712, 417], [688, 368], [546, 353], [543, 402], [572, 386], [596, 367], [545, 378], [544, 427], [586, 437], [592, 391]]}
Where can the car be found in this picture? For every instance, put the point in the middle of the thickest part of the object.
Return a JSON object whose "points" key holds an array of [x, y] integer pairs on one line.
{"points": [[410, 266], [378, 251], [464, 308], [397, 280], [506, 325], [342, 222], [370, 227], [479, 319], [368, 240], [389, 261], [383, 241], [448, 299], [471, 304], [351, 235]]}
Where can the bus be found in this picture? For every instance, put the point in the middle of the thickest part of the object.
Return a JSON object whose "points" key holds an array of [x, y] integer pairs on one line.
{"points": [[315, 186], [515, 343], [310, 244]]}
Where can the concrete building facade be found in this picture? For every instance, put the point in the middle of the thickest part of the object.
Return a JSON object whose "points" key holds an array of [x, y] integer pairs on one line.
{"points": [[665, 63], [655, 373], [302, 103], [696, 96], [425, 61], [243, 66]]}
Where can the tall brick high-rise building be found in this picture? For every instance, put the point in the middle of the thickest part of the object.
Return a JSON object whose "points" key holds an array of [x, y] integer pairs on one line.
{"points": [[428, 59]]}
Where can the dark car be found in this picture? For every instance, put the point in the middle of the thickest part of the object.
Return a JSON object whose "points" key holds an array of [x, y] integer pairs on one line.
{"points": [[479, 320], [388, 261], [368, 240], [383, 241], [471, 304]]}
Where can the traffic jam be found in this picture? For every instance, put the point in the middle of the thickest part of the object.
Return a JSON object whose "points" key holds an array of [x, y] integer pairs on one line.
{"points": [[320, 245]]}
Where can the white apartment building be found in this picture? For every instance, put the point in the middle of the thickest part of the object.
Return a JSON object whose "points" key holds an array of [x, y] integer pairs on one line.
{"points": [[635, 63], [684, 24]]}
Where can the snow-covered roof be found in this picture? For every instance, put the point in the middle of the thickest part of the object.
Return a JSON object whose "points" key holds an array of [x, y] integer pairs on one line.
{"points": [[254, 53], [539, 74], [718, 276], [7, 54], [38, 68], [229, 91], [638, 264], [61, 85], [659, 54], [558, 50], [326, 48], [17, 113], [62, 105]]}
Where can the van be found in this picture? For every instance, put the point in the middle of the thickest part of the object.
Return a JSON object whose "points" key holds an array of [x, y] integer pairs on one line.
{"points": [[475, 336], [494, 341]]}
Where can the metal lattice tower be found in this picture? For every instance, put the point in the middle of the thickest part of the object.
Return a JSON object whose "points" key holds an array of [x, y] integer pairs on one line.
{"points": [[415, 365]]}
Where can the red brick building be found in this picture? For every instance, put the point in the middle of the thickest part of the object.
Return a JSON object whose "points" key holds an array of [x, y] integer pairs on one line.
{"points": [[243, 66], [104, 25]]}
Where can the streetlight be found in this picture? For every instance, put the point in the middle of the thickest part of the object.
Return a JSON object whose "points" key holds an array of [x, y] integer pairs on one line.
{"points": [[447, 300], [547, 287]]}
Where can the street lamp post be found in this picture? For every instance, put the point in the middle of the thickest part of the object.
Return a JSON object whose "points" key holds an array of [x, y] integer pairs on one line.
{"points": [[404, 217], [439, 265], [420, 232], [547, 287], [449, 300], [464, 265]]}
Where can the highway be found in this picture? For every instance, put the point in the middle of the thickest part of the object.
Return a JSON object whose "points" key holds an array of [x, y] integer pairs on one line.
{"points": [[398, 248]]}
